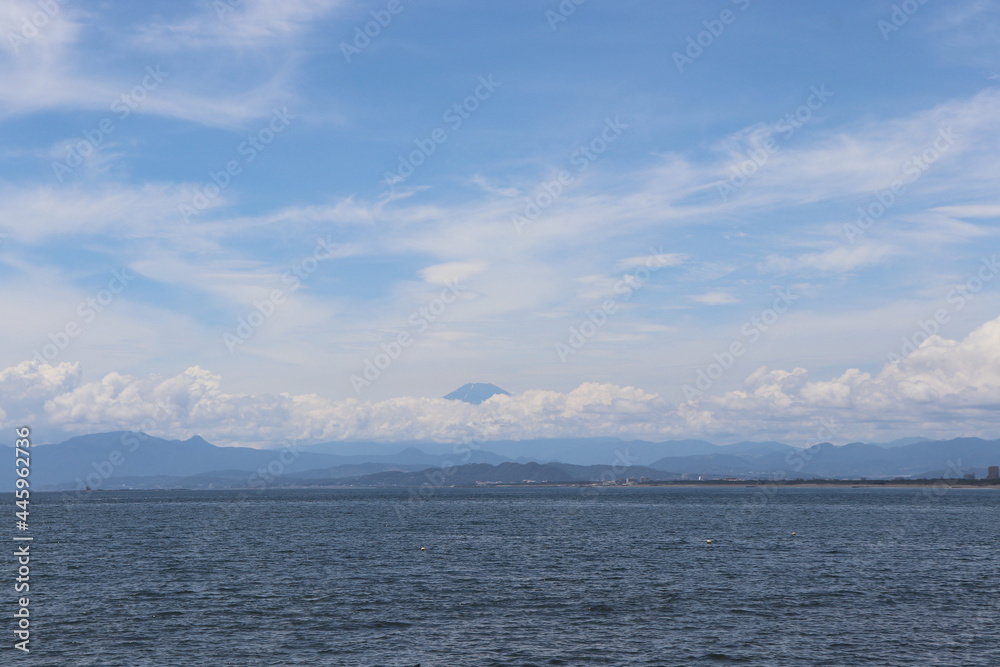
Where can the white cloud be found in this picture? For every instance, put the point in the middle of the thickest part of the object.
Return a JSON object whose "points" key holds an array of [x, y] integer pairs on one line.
{"points": [[966, 32], [836, 260], [452, 272], [970, 211], [659, 260], [25, 388], [193, 402], [715, 298], [37, 214], [944, 387], [54, 69], [248, 23], [481, 181], [870, 158]]}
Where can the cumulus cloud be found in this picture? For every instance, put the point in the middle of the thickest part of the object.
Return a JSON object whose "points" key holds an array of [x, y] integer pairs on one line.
{"points": [[25, 388], [943, 388], [194, 403]]}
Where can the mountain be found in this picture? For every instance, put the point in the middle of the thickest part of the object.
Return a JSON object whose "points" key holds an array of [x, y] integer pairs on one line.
{"points": [[359, 451], [476, 392], [591, 451], [753, 449], [125, 458], [239, 479], [505, 473], [101, 460], [580, 451], [899, 442], [925, 458], [136, 460], [430, 453]]}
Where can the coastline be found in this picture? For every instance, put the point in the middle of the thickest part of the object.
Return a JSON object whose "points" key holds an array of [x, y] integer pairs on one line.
{"points": [[688, 484], [983, 484]]}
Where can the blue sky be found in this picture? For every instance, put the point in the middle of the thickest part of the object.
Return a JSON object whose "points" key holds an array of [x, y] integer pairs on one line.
{"points": [[579, 188]]}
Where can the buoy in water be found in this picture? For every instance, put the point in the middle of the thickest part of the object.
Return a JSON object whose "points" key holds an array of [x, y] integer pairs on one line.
{"points": [[793, 533], [423, 549], [708, 541]]}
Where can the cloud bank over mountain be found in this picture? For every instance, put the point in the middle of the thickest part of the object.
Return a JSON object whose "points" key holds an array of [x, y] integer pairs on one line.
{"points": [[940, 383]]}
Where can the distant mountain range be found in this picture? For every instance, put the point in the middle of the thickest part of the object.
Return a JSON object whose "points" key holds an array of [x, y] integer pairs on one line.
{"points": [[925, 458], [504, 473], [103, 459], [135, 460]]}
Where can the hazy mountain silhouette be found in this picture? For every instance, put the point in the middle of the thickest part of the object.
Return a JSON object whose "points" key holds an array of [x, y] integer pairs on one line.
{"points": [[476, 392], [135, 460]]}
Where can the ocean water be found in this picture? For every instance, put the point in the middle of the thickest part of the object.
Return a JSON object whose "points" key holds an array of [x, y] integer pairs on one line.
{"points": [[516, 577]]}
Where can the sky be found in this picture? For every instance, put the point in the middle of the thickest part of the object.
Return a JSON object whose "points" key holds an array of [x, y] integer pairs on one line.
{"points": [[311, 219]]}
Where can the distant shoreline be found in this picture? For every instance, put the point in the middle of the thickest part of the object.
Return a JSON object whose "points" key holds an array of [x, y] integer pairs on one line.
{"points": [[980, 484], [993, 485], [752, 483]]}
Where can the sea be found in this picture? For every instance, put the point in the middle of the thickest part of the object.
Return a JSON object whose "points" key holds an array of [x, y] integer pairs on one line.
{"points": [[513, 576]]}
